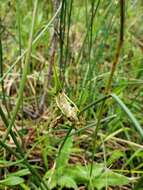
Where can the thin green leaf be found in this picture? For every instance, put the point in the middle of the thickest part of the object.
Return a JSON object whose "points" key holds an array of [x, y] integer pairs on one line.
{"points": [[20, 173], [12, 181], [5, 163], [65, 153], [58, 85], [129, 113], [24, 74]]}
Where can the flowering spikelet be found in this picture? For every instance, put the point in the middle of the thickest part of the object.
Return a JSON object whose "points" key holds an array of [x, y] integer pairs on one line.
{"points": [[67, 107]]}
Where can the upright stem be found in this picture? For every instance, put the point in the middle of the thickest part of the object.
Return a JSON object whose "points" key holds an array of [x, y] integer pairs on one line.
{"points": [[24, 74], [9, 124], [54, 42], [119, 46], [109, 83], [53, 48], [1, 73], [67, 37]]}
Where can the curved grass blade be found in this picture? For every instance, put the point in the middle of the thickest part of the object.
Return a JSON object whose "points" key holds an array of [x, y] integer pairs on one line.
{"points": [[24, 74], [129, 113], [93, 104], [39, 35]]}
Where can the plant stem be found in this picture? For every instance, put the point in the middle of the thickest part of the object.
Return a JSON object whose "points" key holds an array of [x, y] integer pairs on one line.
{"points": [[1, 73], [24, 75], [18, 103], [109, 83], [53, 48]]}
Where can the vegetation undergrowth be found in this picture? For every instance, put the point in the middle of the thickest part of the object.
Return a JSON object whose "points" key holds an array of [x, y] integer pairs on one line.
{"points": [[71, 94]]}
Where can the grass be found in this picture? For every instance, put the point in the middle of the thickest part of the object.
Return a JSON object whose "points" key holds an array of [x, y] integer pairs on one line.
{"points": [[55, 57]]}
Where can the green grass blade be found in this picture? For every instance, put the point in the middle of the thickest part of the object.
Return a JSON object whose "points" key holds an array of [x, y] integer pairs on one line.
{"points": [[129, 113], [1, 73], [37, 177], [33, 43], [24, 75], [94, 103]]}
